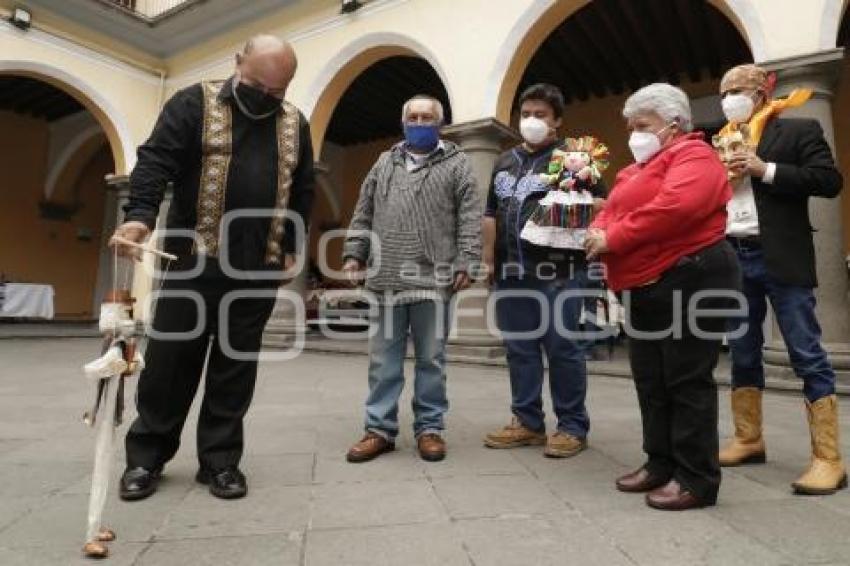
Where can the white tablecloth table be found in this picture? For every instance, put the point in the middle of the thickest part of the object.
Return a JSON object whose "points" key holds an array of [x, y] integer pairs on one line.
{"points": [[26, 300]]}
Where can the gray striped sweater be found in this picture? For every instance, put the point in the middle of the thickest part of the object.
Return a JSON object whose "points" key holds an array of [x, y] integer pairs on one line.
{"points": [[425, 224]]}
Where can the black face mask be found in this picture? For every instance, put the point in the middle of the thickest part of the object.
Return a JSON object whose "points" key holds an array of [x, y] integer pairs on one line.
{"points": [[254, 103]]}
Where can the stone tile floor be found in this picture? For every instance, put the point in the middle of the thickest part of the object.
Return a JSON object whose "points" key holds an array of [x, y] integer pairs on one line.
{"points": [[307, 506]]}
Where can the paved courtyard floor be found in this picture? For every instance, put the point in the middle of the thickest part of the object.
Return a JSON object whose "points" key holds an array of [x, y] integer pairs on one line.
{"points": [[307, 506]]}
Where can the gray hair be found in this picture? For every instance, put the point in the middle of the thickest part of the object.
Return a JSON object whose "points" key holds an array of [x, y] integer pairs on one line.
{"points": [[666, 100], [438, 107]]}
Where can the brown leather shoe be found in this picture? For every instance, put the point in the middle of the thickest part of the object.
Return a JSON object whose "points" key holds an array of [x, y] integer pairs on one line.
{"points": [[368, 448], [432, 447], [640, 481], [673, 497]]}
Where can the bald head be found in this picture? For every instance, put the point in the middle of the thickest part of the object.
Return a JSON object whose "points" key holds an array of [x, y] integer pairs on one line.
{"points": [[744, 77], [267, 63], [265, 43]]}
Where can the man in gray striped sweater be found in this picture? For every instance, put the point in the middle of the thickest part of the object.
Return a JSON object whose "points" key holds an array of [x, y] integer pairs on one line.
{"points": [[416, 233]]}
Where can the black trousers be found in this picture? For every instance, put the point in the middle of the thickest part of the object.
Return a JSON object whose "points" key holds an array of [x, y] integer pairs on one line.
{"points": [[173, 370], [674, 368]]}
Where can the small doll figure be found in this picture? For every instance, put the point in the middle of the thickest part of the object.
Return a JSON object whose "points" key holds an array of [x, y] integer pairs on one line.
{"points": [[562, 217]]}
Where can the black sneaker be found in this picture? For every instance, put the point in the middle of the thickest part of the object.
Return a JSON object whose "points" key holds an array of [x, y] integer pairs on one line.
{"points": [[226, 483], [139, 483]]}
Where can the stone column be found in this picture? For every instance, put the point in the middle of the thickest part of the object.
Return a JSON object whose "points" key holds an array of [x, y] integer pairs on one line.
{"points": [[482, 140], [119, 193], [819, 72], [117, 188]]}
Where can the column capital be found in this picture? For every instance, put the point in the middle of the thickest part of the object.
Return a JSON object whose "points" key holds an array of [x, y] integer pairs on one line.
{"points": [[118, 183], [484, 130], [818, 71]]}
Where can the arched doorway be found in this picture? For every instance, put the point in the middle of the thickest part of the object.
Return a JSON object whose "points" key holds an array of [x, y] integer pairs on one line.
{"points": [[55, 155], [362, 122], [599, 52]]}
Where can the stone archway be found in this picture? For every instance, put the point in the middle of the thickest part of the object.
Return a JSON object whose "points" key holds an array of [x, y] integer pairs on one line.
{"points": [[349, 63], [357, 117], [599, 52], [113, 124], [541, 20], [56, 155], [355, 114], [81, 147]]}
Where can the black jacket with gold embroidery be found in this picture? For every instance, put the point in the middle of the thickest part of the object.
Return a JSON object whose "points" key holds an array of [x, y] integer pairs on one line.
{"points": [[221, 162]]}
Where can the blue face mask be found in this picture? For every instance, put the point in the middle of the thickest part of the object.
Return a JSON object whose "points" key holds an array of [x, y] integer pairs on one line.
{"points": [[422, 137]]}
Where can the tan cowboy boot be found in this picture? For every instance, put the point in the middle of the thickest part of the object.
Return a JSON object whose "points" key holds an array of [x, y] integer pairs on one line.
{"points": [[826, 473], [747, 447]]}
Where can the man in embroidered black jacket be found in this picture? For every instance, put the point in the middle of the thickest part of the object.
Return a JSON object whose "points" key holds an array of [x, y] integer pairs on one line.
{"points": [[239, 157]]}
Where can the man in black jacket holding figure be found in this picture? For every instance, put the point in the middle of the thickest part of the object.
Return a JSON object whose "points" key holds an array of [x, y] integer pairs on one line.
{"points": [[769, 227]]}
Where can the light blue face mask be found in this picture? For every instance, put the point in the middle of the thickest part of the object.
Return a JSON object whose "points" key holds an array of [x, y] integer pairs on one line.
{"points": [[422, 137]]}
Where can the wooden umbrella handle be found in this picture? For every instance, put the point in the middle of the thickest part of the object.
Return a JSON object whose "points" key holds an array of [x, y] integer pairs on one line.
{"points": [[143, 248]]}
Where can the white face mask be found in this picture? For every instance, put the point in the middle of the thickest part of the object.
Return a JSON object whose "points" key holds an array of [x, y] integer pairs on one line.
{"points": [[738, 107], [533, 130], [645, 145]]}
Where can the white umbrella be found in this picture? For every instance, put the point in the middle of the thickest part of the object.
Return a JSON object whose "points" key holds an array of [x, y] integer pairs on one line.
{"points": [[96, 534], [121, 358]]}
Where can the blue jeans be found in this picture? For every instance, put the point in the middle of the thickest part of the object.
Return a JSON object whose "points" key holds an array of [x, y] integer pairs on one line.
{"points": [[567, 367], [427, 323], [795, 314]]}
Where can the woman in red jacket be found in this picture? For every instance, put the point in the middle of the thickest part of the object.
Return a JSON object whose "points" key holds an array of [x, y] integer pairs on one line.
{"points": [[661, 237]]}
